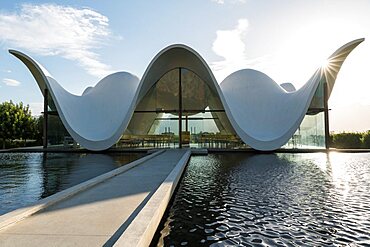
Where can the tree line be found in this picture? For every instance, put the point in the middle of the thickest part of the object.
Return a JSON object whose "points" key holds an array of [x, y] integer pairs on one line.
{"points": [[350, 140]]}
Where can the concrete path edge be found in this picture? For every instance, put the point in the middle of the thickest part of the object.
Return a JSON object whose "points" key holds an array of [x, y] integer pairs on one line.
{"points": [[142, 229], [17, 215]]}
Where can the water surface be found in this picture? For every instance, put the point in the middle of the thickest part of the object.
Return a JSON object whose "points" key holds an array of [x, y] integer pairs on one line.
{"points": [[28, 177], [271, 200]]}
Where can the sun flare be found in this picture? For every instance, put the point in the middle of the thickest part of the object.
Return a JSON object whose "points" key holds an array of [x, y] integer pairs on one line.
{"points": [[325, 63]]}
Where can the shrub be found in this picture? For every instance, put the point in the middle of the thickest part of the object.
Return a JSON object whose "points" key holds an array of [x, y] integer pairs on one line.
{"points": [[366, 139]]}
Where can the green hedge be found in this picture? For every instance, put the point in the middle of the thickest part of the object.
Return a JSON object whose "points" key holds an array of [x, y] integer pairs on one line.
{"points": [[350, 140]]}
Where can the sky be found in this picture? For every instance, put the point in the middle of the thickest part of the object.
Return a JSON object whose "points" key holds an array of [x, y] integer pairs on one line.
{"points": [[80, 42]]}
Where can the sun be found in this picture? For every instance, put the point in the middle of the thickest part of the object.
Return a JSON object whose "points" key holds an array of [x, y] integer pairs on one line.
{"points": [[325, 63]]}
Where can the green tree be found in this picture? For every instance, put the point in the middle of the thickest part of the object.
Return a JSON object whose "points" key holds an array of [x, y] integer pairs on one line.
{"points": [[16, 122]]}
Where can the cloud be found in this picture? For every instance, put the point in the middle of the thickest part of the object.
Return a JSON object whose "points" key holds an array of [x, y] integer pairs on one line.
{"points": [[233, 1], [229, 44], [219, 1], [50, 29], [11, 82]]}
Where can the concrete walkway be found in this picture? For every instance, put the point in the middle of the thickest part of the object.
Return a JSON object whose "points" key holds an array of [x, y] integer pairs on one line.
{"points": [[97, 216]]}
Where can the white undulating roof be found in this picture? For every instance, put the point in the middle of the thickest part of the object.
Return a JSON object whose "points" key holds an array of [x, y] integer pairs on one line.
{"points": [[264, 114]]}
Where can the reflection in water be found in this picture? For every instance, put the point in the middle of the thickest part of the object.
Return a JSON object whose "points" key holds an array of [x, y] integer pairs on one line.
{"points": [[28, 177], [267, 199]]}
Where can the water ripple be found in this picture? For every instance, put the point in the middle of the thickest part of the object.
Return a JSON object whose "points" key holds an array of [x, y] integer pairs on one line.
{"points": [[271, 200]]}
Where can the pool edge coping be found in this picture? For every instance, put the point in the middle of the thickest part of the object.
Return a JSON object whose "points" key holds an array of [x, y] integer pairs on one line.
{"points": [[141, 230]]}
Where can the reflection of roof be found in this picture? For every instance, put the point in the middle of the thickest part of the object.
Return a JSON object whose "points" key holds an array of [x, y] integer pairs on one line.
{"points": [[263, 114]]}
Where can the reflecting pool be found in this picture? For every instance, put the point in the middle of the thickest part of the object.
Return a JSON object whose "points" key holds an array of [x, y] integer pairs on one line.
{"points": [[271, 199], [28, 177]]}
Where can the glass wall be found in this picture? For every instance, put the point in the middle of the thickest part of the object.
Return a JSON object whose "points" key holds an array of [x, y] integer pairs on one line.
{"points": [[318, 98], [58, 136], [155, 121], [57, 133], [311, 132]]}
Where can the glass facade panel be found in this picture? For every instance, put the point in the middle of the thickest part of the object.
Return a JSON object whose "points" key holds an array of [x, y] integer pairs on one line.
{"points": [[57, 133], [318, 98], [164, 94], [310, 134], [205, 133], [150, 129], [196, 94]]}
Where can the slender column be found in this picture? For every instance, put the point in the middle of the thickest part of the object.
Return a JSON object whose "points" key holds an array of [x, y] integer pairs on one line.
{"points": [[326, 116], [180, 110], [187, 123], [45, 123]]}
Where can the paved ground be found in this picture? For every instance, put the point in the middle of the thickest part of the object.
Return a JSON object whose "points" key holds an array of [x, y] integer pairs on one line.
{"points": [[97, 216]]}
